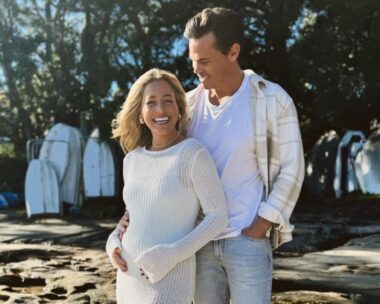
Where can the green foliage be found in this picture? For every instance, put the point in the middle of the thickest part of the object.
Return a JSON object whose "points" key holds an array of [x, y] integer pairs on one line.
{"points": [[7, 150], [335, 60]]}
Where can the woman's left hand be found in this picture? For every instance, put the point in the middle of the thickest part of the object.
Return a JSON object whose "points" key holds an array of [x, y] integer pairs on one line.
{"points": [[119, 261]]}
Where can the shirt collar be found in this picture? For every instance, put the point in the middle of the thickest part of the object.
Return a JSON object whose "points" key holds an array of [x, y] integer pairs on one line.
{"points": [[256, 78]]}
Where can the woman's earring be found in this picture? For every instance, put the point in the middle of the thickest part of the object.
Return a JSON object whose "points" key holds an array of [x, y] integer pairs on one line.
{"points": [[141, 120], [179, 116]]}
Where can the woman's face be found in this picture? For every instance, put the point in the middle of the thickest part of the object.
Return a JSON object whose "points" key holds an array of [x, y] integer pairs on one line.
{"points": [[159, 110]]}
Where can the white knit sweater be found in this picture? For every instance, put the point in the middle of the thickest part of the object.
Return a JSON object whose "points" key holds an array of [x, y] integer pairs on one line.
{"points": [[164, 192]]}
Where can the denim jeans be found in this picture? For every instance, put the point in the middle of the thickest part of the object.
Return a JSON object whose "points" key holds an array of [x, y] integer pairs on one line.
{"points": [[237, 268]]}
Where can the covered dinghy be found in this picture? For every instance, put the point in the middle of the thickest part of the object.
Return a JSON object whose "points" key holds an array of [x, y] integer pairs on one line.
{"points": [[367, 164], [3, 201], [63, 148], [320, 166], [41, 189], [13, 199], [98, 168], [345, 177]]}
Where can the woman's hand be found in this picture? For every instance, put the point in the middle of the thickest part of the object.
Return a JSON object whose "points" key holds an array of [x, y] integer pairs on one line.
{"points": [[124, 222], [119, 261]]}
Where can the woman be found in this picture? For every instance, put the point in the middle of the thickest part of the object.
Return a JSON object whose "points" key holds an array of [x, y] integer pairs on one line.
{"points": [[167, 180]]}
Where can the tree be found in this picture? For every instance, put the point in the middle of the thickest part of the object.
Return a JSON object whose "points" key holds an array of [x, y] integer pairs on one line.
{"points": [[16, 65], [62, 57], [334, 59]]}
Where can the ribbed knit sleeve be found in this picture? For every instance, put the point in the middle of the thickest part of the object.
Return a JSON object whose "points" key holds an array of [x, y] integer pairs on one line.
{"points": [[112, 243], [158, 260], [113, 240]]}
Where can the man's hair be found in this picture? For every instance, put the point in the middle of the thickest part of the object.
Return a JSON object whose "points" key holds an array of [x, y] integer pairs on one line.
{"points": [[226, 25]]}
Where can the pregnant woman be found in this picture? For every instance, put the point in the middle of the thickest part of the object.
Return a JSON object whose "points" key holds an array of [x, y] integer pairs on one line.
{"points": [[168, 180]]}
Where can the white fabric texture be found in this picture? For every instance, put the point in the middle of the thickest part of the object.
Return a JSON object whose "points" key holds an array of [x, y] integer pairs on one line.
{"points": [[227, 132], [278, 149], [164, 192]]}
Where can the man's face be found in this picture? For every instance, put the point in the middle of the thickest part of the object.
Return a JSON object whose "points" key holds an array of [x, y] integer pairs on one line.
{"points": [[210, 64]]}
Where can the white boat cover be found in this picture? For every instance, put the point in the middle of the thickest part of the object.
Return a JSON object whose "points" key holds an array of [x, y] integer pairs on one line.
{"points": [[63, 147], [345, 177], [367, 164], [320, 166], [98, 168], [41, 189]]}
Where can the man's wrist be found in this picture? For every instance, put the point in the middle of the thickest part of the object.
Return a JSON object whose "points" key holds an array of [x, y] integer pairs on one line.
{"points": [[262, 223], [258, 228]]}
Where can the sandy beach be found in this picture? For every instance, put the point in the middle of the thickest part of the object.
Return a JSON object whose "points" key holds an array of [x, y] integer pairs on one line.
{"points": [[334, 258]]}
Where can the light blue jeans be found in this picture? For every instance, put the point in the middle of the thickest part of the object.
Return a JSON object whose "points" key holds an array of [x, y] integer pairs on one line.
{"points": [[238, 268]]}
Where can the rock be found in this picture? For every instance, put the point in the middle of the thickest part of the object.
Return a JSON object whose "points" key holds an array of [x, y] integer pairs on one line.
{"points": [[64, 261], [310, 297], [354, 267], [37, 273]]}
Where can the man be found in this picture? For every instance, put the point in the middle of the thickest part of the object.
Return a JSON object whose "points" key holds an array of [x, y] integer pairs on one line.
{"points": [[250, 127]]}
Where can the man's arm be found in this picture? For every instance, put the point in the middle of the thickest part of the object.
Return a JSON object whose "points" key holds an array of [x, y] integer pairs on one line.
{"points": [[284, 188], [287, 157], [123, 224]]}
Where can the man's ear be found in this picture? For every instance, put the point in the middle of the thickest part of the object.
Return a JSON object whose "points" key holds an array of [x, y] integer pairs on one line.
{"points": [[234, 52]]}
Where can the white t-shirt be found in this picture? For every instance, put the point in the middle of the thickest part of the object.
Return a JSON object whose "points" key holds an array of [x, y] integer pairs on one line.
{"points": [[227, 132]]}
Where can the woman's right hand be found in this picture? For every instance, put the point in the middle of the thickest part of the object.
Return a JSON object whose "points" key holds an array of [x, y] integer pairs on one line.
{"points": [[119, 261], [124, 222]]}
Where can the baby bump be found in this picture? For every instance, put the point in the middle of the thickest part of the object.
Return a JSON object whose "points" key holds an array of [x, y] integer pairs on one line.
{"points": [[131, 286], [185, 268], [176, 287], [138, 239], [136, 243]]}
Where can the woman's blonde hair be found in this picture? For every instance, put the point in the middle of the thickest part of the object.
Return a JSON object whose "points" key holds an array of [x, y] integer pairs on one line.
{"points": [[127, 128]]}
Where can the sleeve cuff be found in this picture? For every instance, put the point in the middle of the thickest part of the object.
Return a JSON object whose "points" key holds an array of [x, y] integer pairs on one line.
{"points": [[271, 214], [154, 264]]}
